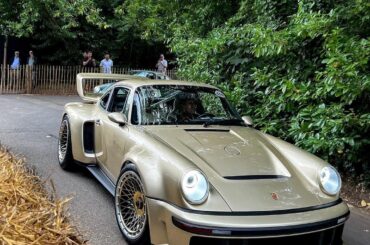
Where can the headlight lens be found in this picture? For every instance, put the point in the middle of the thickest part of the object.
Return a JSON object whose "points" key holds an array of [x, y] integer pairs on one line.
{"points": [[194, 187], [330, 180]]}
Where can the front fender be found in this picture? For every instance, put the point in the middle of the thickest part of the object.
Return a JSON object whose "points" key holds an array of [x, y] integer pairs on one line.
{"points": [[304, 164], [161, 171]]}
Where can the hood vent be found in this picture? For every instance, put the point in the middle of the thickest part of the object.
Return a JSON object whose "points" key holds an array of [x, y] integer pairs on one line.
{"points": [[206, 130], [254, 177]]}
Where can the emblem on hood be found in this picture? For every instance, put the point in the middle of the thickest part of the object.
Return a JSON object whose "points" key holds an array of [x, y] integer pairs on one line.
{"points": [[232, 150], [274, 196]]}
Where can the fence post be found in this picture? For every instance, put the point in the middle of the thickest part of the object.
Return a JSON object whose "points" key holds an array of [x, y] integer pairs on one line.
{"points": [[28, 80], [2, 77]]}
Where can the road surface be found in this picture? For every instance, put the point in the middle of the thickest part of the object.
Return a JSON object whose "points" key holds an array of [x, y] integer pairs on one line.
{"points": [[29, 125]]}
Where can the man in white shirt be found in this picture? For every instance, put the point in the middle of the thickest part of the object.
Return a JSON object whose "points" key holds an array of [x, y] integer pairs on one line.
{"points": [[106, 64], [162, 64]]}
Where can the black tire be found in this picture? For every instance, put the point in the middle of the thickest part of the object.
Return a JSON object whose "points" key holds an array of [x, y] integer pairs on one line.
{"points": [[134, 204], [65, 156]]}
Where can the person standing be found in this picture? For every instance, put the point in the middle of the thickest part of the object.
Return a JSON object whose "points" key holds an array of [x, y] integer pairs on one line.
{"points": [[90, 61], [162, 64], [14, 74], [31, 59], [106, 64], [16, 61], [84, 58]]}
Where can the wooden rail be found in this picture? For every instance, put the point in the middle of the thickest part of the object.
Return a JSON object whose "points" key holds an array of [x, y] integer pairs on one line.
{"points": [[51, 80]]}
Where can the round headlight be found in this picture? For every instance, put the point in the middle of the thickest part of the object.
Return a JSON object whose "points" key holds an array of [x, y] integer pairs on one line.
{"points": [[194, 187], [330, 180]]}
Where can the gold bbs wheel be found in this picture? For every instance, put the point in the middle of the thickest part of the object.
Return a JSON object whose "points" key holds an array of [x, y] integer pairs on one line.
{"points": [[130, 205]]}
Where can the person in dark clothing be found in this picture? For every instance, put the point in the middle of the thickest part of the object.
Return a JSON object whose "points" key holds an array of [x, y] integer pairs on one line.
{"points": [[90, 61]]}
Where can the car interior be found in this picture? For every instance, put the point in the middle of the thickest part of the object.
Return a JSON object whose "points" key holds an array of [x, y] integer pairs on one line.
{"points": [[119, 98]]}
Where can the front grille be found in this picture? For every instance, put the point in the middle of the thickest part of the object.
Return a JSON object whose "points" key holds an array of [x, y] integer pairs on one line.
{"points": [[328, 237]]}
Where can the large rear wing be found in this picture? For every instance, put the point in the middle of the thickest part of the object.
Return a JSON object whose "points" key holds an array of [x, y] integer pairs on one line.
{"points": [[83, 79]]}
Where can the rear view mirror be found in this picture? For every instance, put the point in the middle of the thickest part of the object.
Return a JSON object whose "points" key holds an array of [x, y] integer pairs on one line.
{"points": [[118, 117], [247, 120]]}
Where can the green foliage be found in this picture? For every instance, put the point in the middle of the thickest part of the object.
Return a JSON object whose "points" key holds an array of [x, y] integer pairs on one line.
{"points": [[52, 26], [301, 69], [19, 17]]}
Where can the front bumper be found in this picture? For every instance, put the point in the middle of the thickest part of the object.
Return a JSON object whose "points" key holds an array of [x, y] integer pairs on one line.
{"points": [[173, 225]]}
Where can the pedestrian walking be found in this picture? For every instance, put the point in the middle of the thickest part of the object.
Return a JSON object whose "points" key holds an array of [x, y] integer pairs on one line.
{"points": [[106, 64]]}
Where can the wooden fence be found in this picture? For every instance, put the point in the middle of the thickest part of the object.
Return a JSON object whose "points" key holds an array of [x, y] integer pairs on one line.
{"points": [[51, 80]]}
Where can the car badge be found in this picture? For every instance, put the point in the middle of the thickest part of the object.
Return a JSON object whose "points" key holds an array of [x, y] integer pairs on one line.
{"points": [[274, 196], [232, 150]]}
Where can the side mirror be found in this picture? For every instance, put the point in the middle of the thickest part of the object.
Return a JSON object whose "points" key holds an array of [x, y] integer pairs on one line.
{"points": [[247, 120], [118, 117]]}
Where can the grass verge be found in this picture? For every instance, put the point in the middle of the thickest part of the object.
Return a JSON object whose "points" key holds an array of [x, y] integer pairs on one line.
{"points": [[28, 214]]}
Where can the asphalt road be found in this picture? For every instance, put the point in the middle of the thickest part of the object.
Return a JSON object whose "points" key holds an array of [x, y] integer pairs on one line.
{"points": [[29, 126]]}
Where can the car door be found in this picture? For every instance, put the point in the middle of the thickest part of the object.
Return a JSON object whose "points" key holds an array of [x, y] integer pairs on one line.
{"points": [[109, 136]]}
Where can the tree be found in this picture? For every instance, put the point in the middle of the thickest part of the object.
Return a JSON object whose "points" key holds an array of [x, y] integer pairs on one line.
{"points": [[300, 68], [58, 19]]}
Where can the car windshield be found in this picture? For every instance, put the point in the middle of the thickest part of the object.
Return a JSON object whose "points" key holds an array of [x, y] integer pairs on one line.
{"points": [[178, 104]]}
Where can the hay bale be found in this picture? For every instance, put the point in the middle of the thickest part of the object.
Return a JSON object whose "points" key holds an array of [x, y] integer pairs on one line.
{"points": [[28, 214]]}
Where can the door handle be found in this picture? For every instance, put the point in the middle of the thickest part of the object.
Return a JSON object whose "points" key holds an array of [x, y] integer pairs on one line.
{"points": [[98, 122]]}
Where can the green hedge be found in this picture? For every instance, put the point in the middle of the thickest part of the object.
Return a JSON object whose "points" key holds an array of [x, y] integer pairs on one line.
{"points": [[301, 73]]}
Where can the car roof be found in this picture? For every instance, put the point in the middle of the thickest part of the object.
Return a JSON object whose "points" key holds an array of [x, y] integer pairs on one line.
{"points": [[134, 83]]}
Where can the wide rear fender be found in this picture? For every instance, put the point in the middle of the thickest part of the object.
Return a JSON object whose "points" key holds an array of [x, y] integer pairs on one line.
{"points": [[79, 114]]}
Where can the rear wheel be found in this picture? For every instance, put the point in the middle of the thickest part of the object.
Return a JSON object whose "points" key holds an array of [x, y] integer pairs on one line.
{"points": [[131, 208], [65, 156]]}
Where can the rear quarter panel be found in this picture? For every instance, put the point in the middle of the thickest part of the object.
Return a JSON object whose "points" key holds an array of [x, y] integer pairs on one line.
{"points": [[79, 113]]}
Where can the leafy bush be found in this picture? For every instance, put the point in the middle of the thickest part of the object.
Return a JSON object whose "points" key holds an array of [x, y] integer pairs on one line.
{"points": [[301, 70]]}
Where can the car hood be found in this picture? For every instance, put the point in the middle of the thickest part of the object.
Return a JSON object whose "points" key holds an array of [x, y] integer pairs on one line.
{"points": [[242, 165]]}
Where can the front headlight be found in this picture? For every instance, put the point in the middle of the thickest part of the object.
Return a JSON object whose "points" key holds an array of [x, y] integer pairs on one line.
{"points": [[194, 187], [330, 181]]}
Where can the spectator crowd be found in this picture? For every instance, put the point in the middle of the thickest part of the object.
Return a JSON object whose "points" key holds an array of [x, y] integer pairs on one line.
{"points": [[106, 64]]}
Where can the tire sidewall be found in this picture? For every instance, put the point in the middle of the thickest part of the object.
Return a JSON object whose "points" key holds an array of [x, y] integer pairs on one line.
{"points": [[67, 163]]}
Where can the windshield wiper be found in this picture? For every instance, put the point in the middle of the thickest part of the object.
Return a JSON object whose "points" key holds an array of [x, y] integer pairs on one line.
{"points": [[212, 121]]}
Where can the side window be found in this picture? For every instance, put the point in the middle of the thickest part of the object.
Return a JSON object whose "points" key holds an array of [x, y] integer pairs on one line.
{"points": [[104, 101], [118, 100]]}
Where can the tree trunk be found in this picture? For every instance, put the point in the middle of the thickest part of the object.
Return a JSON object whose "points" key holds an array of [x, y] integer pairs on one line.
{"points": [[4, 65]]}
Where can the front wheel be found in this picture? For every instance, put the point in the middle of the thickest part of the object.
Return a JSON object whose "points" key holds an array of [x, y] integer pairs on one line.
{"points": [[65, 156], [131, 208]]}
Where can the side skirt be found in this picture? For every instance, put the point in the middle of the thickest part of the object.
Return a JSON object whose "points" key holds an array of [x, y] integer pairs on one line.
{"points": [[102, 178]]}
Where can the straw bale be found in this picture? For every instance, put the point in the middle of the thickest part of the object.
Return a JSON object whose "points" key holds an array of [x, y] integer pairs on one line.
{"points": [[28, 213]]}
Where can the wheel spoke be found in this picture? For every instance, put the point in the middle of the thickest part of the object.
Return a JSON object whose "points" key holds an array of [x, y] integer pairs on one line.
{"points": [[63, 140]]}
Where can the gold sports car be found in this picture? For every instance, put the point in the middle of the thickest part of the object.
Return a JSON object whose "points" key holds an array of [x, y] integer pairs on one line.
{"points": [[185, 168]]}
